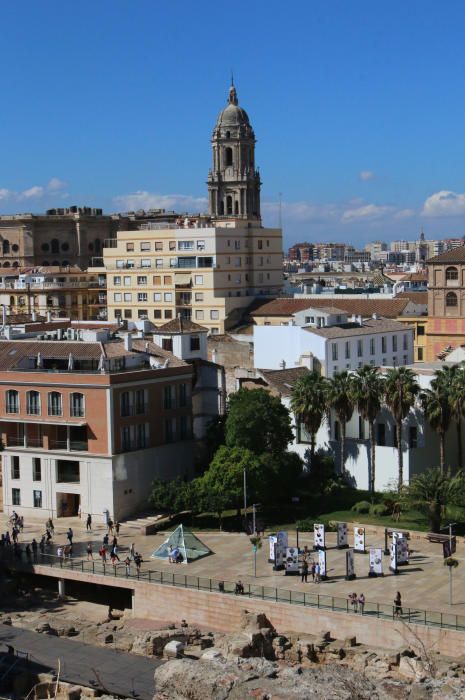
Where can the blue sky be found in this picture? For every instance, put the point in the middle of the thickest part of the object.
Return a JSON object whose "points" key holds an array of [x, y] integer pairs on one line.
{"points": [[358, 108]]}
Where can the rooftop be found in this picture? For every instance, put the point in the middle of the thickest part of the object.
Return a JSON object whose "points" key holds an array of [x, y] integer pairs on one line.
{"points": [[389, 308], [370, 326], [282, 380], [181, 325], [454, 255]]}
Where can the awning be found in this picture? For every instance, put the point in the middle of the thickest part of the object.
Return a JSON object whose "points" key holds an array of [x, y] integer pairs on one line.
{"points": [[49, 421], [184, 279]]}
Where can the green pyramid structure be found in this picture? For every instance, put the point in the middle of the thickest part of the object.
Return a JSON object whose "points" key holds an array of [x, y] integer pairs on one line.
{"points": [[190, 547]]}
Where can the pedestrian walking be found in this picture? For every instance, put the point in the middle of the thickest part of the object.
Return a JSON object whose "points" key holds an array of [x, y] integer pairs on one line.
{"points": [[137, 561], [117, 527], [103, 554], [398, 605], [110, 525], [312, 569], [361, 603], [60, 553], [48, 535], [50, 526], [89, 522], [90, 556], [68, 550], [69, 535], [114, 542], [127, 563], [114, 553], [317, 573], [353, 601], [304, 571], [106, 539], [79, 511], [113, 558], [42, 544], [21, 522]]}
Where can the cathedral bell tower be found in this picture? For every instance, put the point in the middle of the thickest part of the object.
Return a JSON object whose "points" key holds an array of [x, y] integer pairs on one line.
{"points": [[233, 182]]}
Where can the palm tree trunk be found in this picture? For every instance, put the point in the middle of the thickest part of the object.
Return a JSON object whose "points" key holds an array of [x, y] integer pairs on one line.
{"points": [[442, 451], [312, 450], [373, 457], [400, 456], [343, 447], [458, 424]]}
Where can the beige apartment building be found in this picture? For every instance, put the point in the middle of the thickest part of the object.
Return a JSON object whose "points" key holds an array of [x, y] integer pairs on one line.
{"points": [[206, 268]]}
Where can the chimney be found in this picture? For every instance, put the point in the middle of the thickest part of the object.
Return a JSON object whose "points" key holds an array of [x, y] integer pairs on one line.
{"points": [[374, 316], [359, 320], [127, 341]]}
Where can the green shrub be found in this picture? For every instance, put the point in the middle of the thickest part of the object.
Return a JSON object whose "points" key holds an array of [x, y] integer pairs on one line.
{"points": [[379, 509], [305, 525], [361, 507]]}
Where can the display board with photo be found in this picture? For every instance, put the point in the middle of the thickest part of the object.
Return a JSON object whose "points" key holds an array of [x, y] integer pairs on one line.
{"points": [[350, 565], [319, 536], [342, 535], [359, 539], [292, 560], [376, 562], [322, 563], [393, 556]]}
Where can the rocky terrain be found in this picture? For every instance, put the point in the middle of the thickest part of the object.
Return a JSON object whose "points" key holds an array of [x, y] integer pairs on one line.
{"points": [[257, 661]]}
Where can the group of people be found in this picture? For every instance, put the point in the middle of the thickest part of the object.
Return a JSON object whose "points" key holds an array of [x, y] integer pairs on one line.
{"points": [[174, 555], [309, 565], [357, 602]]}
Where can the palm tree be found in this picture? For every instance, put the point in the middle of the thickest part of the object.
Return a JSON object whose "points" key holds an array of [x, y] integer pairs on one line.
{"points": [[438, 413], [368, 388], [308, 404], [340, 397], [457, 404], [431, 492], [401, 389]]}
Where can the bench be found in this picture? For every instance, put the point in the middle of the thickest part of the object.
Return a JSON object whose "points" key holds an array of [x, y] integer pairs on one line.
{"points": [[437, 538]]}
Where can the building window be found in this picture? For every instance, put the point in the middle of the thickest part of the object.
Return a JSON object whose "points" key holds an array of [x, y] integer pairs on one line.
{"points": [[420, 354], [77, 409], [118, 313], [168, 313], [156, 280], [142, 296], [55, 404], [451, 299], [182, 395], [16, 497], [157, 296], [117, 281], [195, 342], [167, 279], [214, 314], [412, 437], [200, 245], [144, 246], [127, 281], [347, 348], [405, 342], [158, 245], [117, 296], [125, 438], [184, 432], [37, 499], [141, 436], [199, 315], [334, 353], [394, 343], [260, 245], [172, 245], [36, 469], [125, 403], [141, 280], [383, 344], [359, 348], [127, 296], [33, 403], [146, 262], [167, 403], [12, 401], [129, 247], [405, 359], [169, 430], [167, 344], [140, 402], [67, 471], [420, 330], [198, 279], [157, 313], [15, 471], [127, 313], [168, 296], [381, 434], [452, 273], [372, 346], [186, 245]]}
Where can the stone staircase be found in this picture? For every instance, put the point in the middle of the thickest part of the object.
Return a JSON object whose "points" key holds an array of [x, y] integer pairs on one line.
{"points": [[144, 523]]}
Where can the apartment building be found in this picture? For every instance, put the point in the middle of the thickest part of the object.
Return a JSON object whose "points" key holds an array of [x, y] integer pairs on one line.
{"points": [[328, 341], [205, 268], [91, 423], [64, 292]]}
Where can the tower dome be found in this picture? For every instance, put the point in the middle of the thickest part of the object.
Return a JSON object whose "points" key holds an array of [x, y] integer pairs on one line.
{"points": [[233, 181]]}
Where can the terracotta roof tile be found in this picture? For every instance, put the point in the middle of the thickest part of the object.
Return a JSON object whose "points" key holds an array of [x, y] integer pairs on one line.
{"points": [[389, 308], [283, 379], [415, 297], [371, 325], [454, 255], [181, 325]]}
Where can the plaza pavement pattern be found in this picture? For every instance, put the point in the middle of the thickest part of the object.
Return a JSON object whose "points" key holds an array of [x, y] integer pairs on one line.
{"points": [[424, 583]]}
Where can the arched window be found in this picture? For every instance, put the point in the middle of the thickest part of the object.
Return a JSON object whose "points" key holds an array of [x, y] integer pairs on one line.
{"points": [[15, 247], [228, 134], [451, 299], [6, 264], [65, 246], [77, 407], [12, 401], [33, 403], [452, 273], [6, 247], [229, 205], [228, 156], [55, 245], [16, 263], [55, 404], [44, 247]]}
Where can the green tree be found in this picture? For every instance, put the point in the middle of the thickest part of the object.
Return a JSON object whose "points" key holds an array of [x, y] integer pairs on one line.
{"points": [[308, 403], [457, 404], [368, 395], [401, 390], [168, 496], [431, 492], [340, 398], [258, 421], [437, 407]]}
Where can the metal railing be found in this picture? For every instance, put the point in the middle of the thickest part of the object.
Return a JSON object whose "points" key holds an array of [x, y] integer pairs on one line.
{"points": [[383, 611]]}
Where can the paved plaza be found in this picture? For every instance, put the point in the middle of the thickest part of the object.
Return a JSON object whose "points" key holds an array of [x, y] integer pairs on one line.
{"points": [[424, 583]]}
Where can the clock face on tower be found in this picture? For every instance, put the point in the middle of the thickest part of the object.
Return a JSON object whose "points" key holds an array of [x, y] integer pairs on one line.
{"points": [[233, 182]]}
